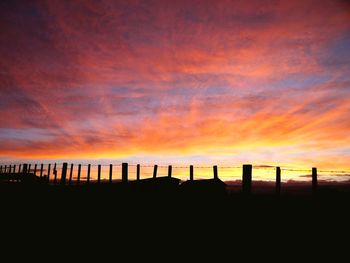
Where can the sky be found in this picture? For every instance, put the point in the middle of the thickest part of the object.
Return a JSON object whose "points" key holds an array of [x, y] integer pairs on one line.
{"points": [[189, 82]]}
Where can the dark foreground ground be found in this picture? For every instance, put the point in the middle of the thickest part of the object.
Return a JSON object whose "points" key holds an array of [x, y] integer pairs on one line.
{"points": [[110, 219]]}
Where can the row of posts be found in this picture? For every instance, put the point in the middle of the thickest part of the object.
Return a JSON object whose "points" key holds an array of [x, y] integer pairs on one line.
{"points": [[246, 176]]}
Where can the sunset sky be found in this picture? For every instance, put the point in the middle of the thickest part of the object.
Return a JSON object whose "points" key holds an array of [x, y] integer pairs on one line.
{"points": [[202, 82]]}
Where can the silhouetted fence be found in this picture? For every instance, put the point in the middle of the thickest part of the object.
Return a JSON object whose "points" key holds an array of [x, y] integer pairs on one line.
{"points": [[45, 172]]}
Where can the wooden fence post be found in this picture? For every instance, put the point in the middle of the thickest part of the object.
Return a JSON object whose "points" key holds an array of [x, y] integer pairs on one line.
{"points": [[170, 170], [191, 172], [215, 170], [64, 173], [110, 173], [155, 171], [25, 167], [70, 174], [14, 168], [79, 170], [88, 174], [5, 168], [41, 170], [278, 180], [99, 173], [314, 179], [29, 167], [19, 168], [55, 174], [124, 172], [247, 178], [35, 166], [48, 172], [138, 169], [0, 168]]}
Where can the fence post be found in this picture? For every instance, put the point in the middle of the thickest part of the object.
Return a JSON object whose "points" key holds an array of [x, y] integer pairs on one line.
{"points": [[19, 168], [170, 170], [155, 171], [70, 174], [29, 167], [88, 174], [314, 179], [48, 172], [247, 178], [5, 168], [215, 169], [124, 172], [25, 167], [278, 180], [138, 172], [191, 172], [55, 174], [110, 173], [35, 166], [79, 170], [41, 170], [64, 173], [14, 168], [99, 173], [0, 168]]}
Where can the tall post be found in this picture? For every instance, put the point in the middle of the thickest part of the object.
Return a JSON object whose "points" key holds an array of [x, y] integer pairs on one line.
{"points": [[110, 173], [64, 173], [278, 180], [191, 172], [314, 179], [25, 168], [88, 174], [19, 168], [138, 172], [79, 171], [35, 166], [5, 168], [155, 171], [124, 172], [54, 174], [29, 168], [14, 168], [99, 173], [247, 178], [70, 174], [0, 168], [215, 170], [48, 173], [170, 170], [41, 170]]}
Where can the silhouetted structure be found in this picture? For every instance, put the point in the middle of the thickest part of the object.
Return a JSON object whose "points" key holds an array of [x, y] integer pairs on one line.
{"points": [[124, 172], [78, 176], [110, 173], [138, 171], [64, 173], [278, 180], [155, 171], [170, 169], [191, 173], [247, 179], [99, 173]]}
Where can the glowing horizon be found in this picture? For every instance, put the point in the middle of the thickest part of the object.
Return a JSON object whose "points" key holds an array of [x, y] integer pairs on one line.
{"points": [[186, 82]]}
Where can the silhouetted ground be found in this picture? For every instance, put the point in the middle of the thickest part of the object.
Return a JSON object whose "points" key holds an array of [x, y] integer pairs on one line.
{"points": [[112, 219]]}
